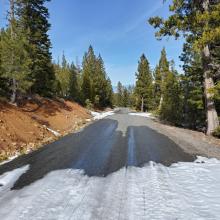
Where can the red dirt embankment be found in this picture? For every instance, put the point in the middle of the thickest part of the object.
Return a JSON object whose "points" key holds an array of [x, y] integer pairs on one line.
{"points": [[26, 128]]}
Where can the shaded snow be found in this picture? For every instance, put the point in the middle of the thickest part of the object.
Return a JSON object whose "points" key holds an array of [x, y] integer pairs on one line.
{"points": [[182, 191], [7, 180], [98, 115], [143, 114]]}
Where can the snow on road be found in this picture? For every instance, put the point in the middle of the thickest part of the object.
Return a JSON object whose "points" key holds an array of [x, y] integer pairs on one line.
{"points": [[143, 114], [7, 180], [101, 115], [183, 191]]}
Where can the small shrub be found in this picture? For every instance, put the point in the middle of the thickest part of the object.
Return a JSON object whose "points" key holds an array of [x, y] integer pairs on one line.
{"points": [[97, 100], [216, 133], [89, 104]]}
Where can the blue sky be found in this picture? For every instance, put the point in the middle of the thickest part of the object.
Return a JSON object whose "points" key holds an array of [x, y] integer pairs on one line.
{"points": [[117, 29]]}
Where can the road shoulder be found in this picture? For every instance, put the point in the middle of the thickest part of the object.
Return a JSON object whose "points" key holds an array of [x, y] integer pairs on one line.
{"points": [[191, 142]]}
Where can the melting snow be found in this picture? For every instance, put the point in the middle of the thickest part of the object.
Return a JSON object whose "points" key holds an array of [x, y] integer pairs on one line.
{"points": [[7, 180], [55, 133], [98, 115], [10, 159], [143, 114], [182, 191]]}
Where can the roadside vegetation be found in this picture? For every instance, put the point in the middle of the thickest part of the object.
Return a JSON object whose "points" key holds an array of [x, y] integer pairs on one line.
{"points": [[190, 99], [26, 66], [38, 95]]}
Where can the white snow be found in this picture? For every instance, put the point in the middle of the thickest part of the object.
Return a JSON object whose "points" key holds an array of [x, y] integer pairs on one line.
{"points": [[101, 115], [7, 180], [55, 133], [10, 159], [143, 114], [182, 191]]}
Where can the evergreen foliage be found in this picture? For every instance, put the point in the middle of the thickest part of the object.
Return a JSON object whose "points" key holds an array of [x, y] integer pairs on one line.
{"points": [[194, 115], [26, 68], [144, 85], [125, 97], [119, 95], [96, 86], [198, 22], [171, 107], [25, 56], [33, 22]]}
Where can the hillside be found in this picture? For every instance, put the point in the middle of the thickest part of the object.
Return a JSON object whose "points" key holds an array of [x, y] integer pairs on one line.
{"points": [[37, 122]]}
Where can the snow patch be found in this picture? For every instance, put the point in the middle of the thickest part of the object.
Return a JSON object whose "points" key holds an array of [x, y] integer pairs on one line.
{"points": [[183, 191], [98, 115], [55, 133], [7, 180], [10, 159], [143, 114]]}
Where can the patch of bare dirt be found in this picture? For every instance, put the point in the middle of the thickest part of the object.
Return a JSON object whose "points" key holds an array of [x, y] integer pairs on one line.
{"points": [[25, 128]]}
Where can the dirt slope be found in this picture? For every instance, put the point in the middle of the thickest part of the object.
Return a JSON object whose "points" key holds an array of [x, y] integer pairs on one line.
{"points": [[26, 128]]}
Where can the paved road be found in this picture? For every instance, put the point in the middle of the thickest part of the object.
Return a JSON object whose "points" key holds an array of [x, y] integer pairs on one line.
{"points": [[102, 148], [129, 176]]}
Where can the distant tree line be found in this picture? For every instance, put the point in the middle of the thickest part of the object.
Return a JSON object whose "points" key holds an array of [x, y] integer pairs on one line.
{"points": [[124, 96], [26, 66], [176, 98]]}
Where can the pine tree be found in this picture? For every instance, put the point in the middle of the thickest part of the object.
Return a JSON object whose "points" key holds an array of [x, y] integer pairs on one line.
{"points": [[14, 59], [171, 107], [132, 98], [125, 97], [86, 88], [3, 81], [33, 20], [96, 87], [163, 69], [109, 94], [74, 87], [100, 83], [119, 96], [66, 80], [192, 84], [157, 87], [199, 22], [144, 86]]}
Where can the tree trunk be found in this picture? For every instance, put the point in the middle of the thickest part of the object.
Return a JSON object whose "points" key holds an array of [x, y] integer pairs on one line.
{"points": [[142, 104], [161, 102], [12, 20], [211, 113], [14, 91]]}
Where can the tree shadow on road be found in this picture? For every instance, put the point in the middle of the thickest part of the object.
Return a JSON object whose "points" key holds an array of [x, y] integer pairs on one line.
{"points": [[98, 150]]}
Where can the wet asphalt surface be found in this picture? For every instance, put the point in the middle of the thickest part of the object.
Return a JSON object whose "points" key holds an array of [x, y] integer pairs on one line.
{"points": [[103, 147]]}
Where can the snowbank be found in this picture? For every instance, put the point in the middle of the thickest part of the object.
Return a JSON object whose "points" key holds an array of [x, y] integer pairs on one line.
{"points": [[98, 115], [143, 114], [182, 191]]}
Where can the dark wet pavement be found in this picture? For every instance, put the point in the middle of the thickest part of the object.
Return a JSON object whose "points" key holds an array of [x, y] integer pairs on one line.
{"points": [[102, 148]]}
